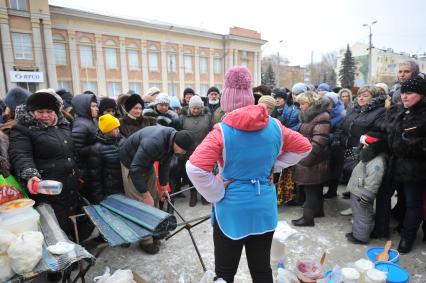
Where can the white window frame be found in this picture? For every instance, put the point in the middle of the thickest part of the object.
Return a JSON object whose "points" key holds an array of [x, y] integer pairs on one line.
{"points": [[60, 53], [135, 89], [22, 46], [20, 5], [89, 85], [203, 89], [187, 62], [204, 65], [111, 58], [153, 65], [217, 65], [113, 89], [244, 62], [157, 85], [65, 84], [189, 86], [86, 57], [133, 58], [173, 89]]}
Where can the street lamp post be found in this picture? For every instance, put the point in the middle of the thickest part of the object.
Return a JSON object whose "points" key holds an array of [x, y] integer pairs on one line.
{"points": [[370, 47], [278, 64]]}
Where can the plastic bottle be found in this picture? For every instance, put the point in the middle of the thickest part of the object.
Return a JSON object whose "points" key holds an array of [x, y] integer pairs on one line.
{"points": [[47, 187]]}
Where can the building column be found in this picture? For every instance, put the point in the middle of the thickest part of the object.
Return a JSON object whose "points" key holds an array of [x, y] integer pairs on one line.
{"points": [[164, 77], [255, 69], [230, 54], [181, 71], [100, 66], [145, 77], [38, 51], [123, 66], [7, 56], [259, 67], [211, 67], [75, 66], [197, 69], [50, 55]]}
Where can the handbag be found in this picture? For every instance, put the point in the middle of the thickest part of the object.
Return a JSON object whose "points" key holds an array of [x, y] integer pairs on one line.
{"points": [[351, 159]]}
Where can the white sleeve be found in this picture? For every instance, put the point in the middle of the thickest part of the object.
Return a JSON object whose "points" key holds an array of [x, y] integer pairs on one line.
{"points": [[289, 159], [206, 183]]}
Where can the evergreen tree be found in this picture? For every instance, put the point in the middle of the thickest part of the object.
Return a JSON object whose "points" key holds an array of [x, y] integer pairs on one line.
{"points": [[268, 77], [347, 70]]}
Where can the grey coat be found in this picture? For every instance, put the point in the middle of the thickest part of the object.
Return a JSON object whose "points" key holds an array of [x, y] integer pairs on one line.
{"points": [[367, 177], [199, 126]]}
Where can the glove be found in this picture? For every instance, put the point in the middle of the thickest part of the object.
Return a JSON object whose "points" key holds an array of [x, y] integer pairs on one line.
{"points": [[365, 201]]}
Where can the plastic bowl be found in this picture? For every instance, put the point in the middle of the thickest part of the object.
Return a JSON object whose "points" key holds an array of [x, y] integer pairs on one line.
{"points": [[17, 206], [373, 252]]}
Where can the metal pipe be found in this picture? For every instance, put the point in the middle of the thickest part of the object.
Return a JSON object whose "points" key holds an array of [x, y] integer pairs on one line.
{"points": [[3, 63], [43, 48]]}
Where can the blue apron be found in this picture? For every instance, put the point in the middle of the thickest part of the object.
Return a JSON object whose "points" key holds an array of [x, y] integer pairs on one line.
{"points": [[249, 206]]}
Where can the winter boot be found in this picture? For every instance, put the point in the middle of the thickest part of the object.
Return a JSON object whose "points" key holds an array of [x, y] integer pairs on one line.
{"points": [[193, 199], [307, 219], [204, 201]]}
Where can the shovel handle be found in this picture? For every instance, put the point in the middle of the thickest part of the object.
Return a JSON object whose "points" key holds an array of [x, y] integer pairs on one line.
{"points": [[387, 247]]}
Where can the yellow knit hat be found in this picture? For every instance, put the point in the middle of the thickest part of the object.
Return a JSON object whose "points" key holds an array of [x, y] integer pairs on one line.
{"points": [[107, 123]]}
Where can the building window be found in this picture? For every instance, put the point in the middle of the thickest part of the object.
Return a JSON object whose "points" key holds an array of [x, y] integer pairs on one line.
{"points": [[173, 89], [133, 57], [244, 62], [114, 89], [65, 84], [88, 85], [187, 61], [203, 89], [171, 63], [189, 86], [157, 85], [18, 5], [217, 66], [22, 44], [219, 87], [111, 58], [86, 56], [60, 53], [204, 65], [153, 61], [136, 87]]}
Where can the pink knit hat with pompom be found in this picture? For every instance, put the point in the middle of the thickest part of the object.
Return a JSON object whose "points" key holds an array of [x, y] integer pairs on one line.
{"points": [[237, 91]]}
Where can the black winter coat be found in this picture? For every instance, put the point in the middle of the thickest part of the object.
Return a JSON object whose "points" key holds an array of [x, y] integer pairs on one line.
{"points": [[359, 121], [84, 129], [406, 134], [104, 169], [48, 153], [143, 148], [128, 125]]}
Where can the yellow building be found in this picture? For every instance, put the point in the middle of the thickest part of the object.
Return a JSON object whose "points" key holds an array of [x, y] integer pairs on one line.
{"points": [[50, 46]]}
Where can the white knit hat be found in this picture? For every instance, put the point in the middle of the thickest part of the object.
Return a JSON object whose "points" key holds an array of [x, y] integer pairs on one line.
{"points": [[196, 101], [162, 98]]}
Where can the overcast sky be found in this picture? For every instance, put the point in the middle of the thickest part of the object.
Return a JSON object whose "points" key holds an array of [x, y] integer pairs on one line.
{"points": [[303, 25]]}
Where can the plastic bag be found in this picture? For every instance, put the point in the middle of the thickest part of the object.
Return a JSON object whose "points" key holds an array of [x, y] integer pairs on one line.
{"points": [[6, 271], [207, 277], [10, 189], [286, 276], [119, 276], [25, 252], [6, 238]]}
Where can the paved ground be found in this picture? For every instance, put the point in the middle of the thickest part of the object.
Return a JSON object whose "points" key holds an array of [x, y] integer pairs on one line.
{"points": [[178, 261]]}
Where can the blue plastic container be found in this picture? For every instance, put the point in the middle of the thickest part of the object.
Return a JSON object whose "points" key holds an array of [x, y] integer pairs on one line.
{"points": [[372, 254], [395, 273]]}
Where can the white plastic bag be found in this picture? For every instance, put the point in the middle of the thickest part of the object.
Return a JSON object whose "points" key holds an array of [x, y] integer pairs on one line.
{"points": [[25, 252], [6, 271], [6, 238], [119, 276], [207, 277]]}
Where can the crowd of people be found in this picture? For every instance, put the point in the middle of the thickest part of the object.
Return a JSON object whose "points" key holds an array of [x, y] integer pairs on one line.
{"points": [[373, 141]]}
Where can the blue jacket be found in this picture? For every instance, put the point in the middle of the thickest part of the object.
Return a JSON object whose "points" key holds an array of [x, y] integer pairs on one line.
{"points": [[337, 115], [290, 117]]}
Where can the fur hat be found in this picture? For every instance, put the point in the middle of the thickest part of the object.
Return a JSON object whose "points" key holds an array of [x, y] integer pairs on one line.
{"points": [[196, 101], [416, 84], [66, 97], [43, 100], [107, 123], [279, 93], [184, 139], [16, 96], [132, 101], [299, 88], [262, 89], [106, 103], [237, 92], [162, 98], [268, 100]]}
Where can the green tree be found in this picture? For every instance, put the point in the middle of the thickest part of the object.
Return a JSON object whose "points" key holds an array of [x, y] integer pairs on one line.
{"points": [[347, 70], [268, 77]]}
